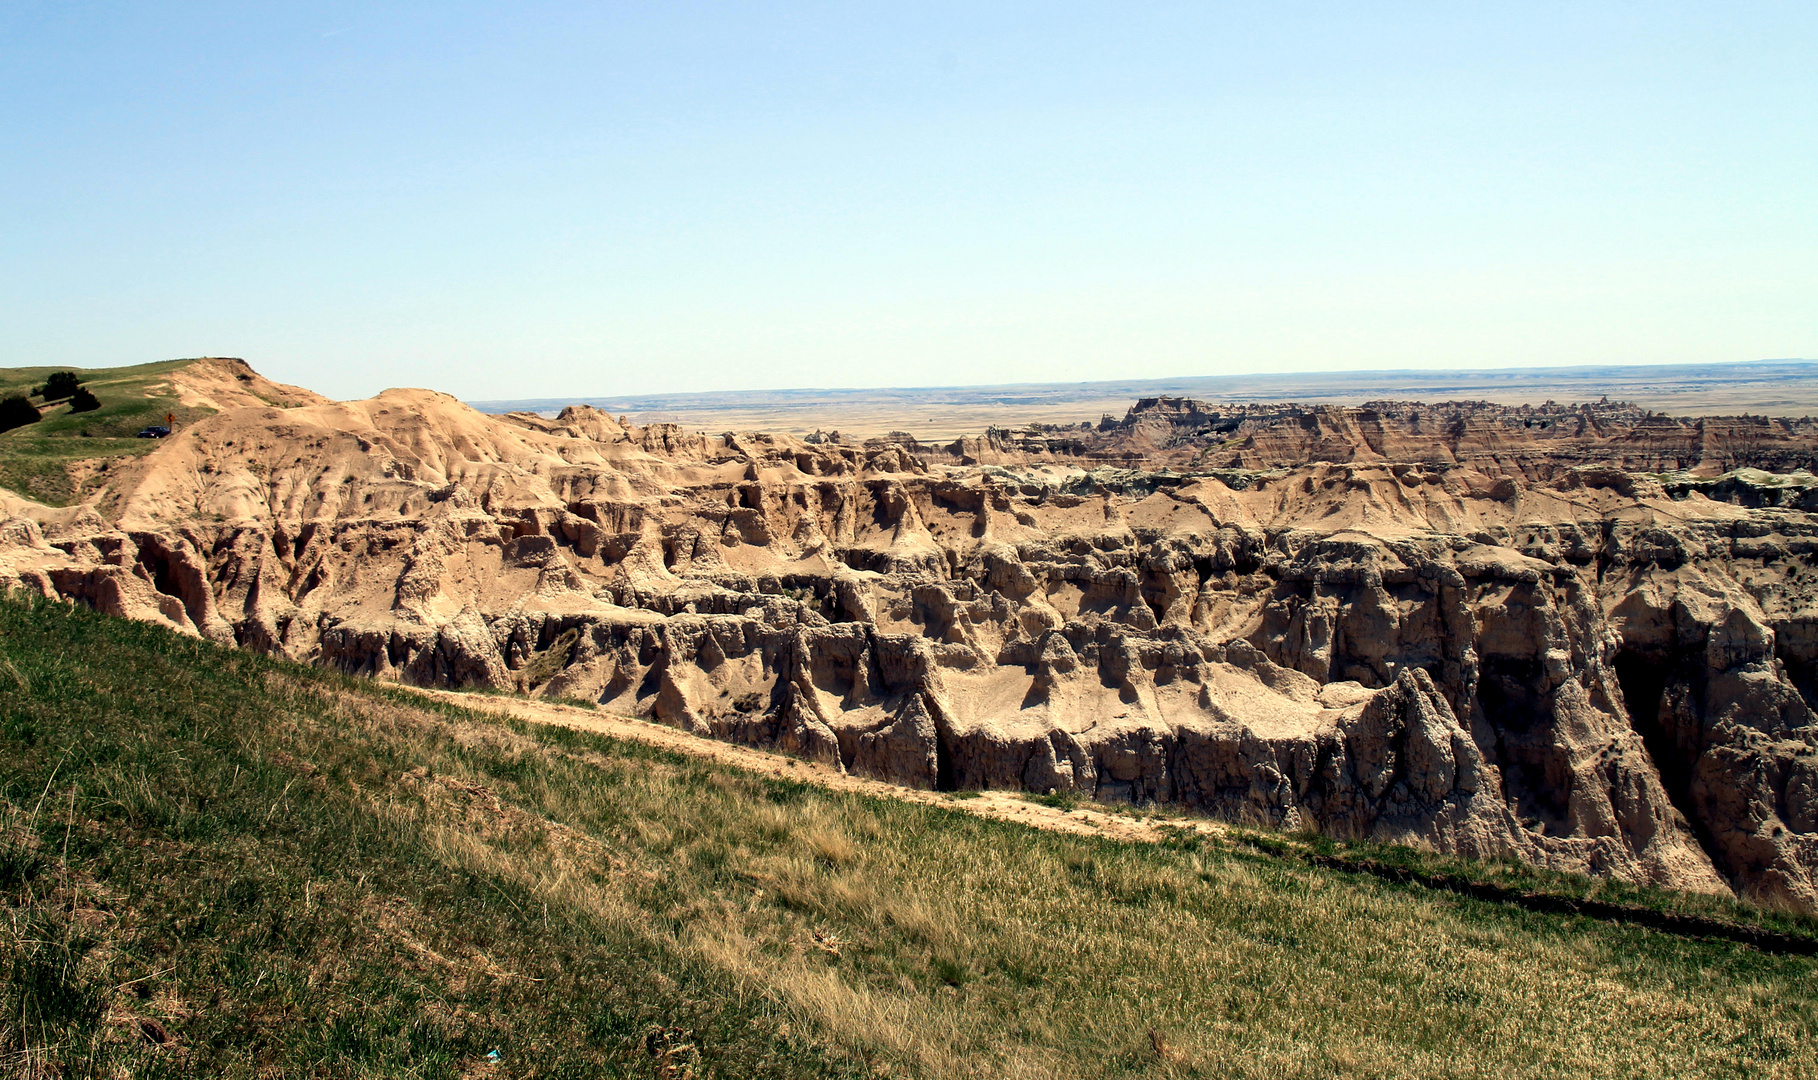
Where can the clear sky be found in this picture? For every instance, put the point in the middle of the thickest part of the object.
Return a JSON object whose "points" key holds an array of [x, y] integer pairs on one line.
{"points": [[527, 199]]}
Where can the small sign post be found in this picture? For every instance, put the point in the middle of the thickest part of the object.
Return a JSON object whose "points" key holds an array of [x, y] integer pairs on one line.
{"points": [[170, 420]]}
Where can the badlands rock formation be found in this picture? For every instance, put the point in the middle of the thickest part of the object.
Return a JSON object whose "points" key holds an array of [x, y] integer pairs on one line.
{"points": [[1591, 645], [1528, 440]]}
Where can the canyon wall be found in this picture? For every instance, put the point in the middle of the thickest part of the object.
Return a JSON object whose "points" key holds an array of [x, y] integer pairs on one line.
{"points": [[1591, 645]]}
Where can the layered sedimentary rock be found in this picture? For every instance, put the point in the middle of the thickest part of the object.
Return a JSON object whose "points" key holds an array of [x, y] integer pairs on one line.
{"points": [[1545, 650], [1535, 442]]}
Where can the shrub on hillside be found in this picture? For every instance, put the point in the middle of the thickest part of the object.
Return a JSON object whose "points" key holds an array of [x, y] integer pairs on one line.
{"points": [[83, 401], [61, 384], [16, 411]]}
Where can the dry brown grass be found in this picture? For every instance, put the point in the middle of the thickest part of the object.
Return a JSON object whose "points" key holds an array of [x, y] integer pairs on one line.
{"points": [[937, 944], [913, 939]]}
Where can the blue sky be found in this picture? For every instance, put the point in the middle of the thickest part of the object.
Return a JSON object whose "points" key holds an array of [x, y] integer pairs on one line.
{"points": [[529, 199]]}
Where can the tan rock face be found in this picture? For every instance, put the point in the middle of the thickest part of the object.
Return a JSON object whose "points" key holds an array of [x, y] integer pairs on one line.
{"points": [[222, 383], [1536, 442], [1489, 646]]}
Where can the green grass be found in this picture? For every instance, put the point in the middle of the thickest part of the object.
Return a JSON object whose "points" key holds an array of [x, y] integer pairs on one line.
{"points": [[283, 872], [1522, 881], [40, 468], [1058, 800], [35, 459]]}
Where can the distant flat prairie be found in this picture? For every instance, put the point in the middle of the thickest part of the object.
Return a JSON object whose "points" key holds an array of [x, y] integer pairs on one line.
{"points": [[1773, 387]]}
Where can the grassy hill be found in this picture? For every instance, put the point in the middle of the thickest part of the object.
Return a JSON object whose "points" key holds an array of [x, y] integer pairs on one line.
{"points": [[216, 864], [35, 459]]}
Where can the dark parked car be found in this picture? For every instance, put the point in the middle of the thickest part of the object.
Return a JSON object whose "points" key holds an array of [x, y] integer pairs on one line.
{"points": [[156, 431]]}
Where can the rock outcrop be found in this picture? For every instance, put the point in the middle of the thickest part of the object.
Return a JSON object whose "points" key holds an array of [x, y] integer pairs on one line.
{"points": [[1536, 442], [1591, 645]]}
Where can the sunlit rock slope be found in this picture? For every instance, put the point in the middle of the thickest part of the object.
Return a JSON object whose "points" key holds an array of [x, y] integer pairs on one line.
{"points": [[1583, 637]]}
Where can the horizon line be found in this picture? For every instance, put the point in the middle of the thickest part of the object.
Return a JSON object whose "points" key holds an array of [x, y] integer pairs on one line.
{"points": [[1464, 373]]}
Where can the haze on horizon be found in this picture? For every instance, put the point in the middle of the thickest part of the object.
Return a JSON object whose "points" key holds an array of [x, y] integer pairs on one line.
{"points": [[511, 201]]}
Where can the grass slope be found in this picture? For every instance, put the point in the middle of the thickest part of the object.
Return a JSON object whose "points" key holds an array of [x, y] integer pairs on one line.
{"points": [[216, 864], [35, 459]]}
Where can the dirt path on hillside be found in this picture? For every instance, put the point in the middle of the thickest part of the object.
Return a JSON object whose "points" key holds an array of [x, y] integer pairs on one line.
{"points": [[1001, 805], [1095, 821]]}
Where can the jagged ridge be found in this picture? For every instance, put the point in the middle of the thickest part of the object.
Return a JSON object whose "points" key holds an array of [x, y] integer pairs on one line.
{"points": [[1498, 646]]}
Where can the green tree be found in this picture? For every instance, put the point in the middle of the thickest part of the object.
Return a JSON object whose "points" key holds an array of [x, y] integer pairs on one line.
{"points": [[83, 401], [16, 411], [61, 384]]}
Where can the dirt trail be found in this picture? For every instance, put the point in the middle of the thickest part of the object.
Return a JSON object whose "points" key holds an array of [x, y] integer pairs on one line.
{"points": [[1001, 805], [1084, 821]]}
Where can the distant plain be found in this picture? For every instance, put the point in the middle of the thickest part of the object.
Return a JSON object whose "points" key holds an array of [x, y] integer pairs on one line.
{"points": [[1773, 387]]}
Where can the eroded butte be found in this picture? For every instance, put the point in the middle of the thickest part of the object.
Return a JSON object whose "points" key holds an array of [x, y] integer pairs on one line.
{"points": [[1581, 636]]}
